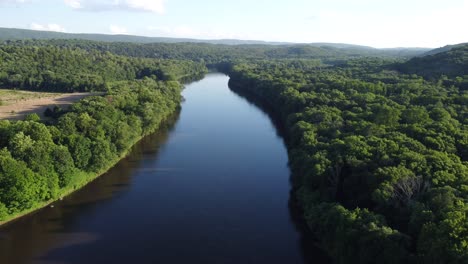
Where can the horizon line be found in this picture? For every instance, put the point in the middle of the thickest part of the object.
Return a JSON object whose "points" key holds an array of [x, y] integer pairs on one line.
{"points": [[271, 42]]}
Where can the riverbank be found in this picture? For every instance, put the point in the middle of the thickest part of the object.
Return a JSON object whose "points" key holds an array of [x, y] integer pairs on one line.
{"points": [[346, 168], [200, 190], [85, 177]]}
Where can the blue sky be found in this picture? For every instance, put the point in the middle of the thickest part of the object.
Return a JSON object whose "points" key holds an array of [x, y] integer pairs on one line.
{"points": [[377, 23]]}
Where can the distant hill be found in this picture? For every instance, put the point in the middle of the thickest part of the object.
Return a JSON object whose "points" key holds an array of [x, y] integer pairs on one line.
{"points": [[21, 34], [443, 49], [452, 63], [24, 34], [340, 45], [406, 52]]}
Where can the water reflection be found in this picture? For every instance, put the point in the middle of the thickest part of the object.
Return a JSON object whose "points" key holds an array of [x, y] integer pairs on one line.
{"points": [[310, 251], [213, 189], [30, 238]]}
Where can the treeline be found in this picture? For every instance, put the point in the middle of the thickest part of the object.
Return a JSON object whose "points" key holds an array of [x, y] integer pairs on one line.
{"points": [[380, 157], [213, 54], [71, 69], [452, 63], [40, 162]]}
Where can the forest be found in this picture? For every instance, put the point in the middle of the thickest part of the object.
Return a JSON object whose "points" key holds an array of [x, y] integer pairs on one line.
{"points": [[52, 68], [214, 54], [377, 142], [42, 160], [379, 155]]}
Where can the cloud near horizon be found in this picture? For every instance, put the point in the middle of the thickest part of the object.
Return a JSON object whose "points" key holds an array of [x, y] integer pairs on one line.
{"points": [[155, 6], [48, 27], [117, 30], [185, 31], [14, 1]]}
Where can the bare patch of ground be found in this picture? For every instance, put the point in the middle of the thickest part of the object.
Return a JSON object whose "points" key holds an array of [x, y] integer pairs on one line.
{"points": [[15, 105]]}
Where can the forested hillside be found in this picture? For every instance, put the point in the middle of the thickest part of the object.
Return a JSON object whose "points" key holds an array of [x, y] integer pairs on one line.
{"points": [[40, 162], [380, 158], [8, 34], [71, 69], [213, 54], [452, 63], [443, 49], [23, 34]]}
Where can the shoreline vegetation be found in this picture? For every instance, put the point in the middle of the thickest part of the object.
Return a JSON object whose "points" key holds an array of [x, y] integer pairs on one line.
{"points": [[41, 161], [377, 142], [372, 183], [87, 180]]}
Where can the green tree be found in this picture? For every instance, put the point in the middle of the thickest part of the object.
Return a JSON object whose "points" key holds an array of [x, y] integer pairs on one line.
{"points": [[32, 117]]}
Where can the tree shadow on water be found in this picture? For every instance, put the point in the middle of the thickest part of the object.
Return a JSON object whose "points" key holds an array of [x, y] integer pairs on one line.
{"points": [[310, 250], [58, 235]]}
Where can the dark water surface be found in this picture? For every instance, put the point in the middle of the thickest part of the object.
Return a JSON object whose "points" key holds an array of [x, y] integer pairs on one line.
{"points": [[214, 187]]}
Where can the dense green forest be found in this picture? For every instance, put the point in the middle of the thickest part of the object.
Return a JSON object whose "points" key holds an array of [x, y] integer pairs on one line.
{"points": [[9, 34], [378, 144], [379, 156], [70, 69], [214, 54], [452, 63], [41, 161]]}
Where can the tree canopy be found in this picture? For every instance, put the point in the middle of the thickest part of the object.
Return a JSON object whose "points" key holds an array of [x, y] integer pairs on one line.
{"points": [[41, 160], [380, 156]]}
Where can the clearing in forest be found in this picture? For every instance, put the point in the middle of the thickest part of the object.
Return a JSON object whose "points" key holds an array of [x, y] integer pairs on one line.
{"points": [[15, 104]]}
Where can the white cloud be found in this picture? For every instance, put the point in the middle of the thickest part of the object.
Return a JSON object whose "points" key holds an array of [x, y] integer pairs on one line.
{"points": [[117, 30], [179, 31], [14, 1], [155, 6], [47, 27], [76, 4]]}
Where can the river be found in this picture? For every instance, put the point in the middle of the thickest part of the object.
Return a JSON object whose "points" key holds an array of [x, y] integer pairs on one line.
{"points": [[211, 187]]}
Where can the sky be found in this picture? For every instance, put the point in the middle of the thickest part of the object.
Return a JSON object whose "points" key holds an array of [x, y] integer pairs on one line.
{"points": [[376, 23]]}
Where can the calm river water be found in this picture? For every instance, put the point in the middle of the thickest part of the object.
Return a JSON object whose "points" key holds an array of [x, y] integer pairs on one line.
{"points": [[213, 187]]}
